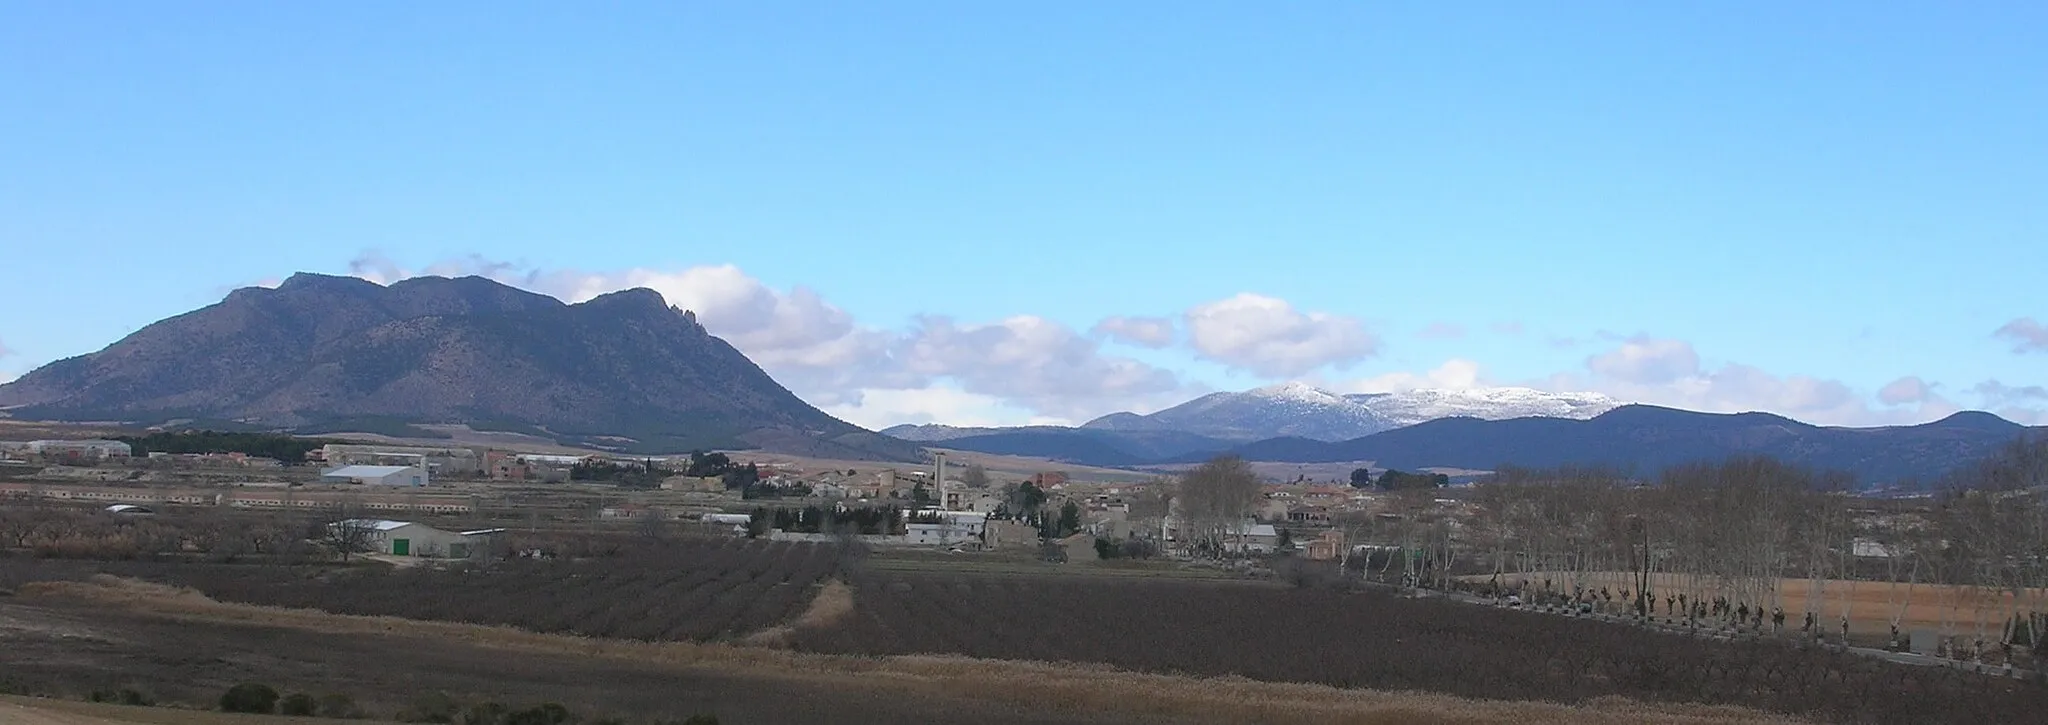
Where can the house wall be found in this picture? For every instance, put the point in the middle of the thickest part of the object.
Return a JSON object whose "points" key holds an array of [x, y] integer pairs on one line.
{"points": [[423, 541]]}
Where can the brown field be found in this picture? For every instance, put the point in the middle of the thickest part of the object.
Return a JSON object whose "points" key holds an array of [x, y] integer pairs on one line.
{"points": [[187, 648], [1871, 604], [15, 710]]}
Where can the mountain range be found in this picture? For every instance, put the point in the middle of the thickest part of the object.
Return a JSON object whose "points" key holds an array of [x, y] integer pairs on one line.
{"points": [[627, 372], [1305, 411], [1219, 421], [1501, 427], [624, 371]]}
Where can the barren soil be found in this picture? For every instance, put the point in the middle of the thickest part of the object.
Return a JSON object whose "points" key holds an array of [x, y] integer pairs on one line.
{"points": [[72, 637]]}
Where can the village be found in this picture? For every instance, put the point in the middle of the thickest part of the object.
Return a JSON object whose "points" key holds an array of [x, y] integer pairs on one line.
{"points": [[960, 509]]}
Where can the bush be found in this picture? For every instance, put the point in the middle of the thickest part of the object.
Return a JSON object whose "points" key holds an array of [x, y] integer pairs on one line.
{"points": [[123, 696], [484, 713], [543, 714], [339, 706], [300, 704], [249, 697], [435, 707]]}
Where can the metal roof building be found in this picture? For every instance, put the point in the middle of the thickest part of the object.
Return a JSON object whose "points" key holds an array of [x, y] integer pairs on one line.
{"points": [[377, 475], [406, 538]]}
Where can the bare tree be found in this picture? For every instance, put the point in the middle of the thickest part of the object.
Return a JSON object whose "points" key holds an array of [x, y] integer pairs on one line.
{"points": [[654, 523], [1215, 496], [976, 476], [349, 537]]}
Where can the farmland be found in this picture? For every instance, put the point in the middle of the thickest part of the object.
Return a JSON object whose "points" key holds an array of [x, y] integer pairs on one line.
{"points": [[719, 590], [688, 590], [1385, 642], [63, 638]]}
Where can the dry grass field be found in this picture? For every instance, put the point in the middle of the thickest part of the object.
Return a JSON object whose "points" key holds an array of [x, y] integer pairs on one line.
{"points": [[16, 710], [135, 629], [1871, 604]]}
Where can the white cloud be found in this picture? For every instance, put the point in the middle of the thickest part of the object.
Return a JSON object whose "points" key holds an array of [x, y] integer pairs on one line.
{"points": [[1646, 361], [1909, 389], [881, 407], [2026, 335], [1453, 374], [1669, 373], [1152, 332], [1031, 369], [4, 350], [1267, 336], [376, 267], [2027, 404], [1037, 362], [819, 351], [810, 345]]}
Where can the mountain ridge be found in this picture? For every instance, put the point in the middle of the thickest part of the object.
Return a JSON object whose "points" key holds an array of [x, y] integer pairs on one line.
{"points": [[1300, 410], [1638, 438], [431, 350]]}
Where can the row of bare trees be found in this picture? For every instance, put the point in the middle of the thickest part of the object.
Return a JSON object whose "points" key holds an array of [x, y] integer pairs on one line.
{"points": [[1758, 534], [226, 536]]}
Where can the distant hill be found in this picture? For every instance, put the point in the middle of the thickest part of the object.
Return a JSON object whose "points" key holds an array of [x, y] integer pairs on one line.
{"points": [[1640, 438], [1647, 439], [624, 371], [1304, 411]]}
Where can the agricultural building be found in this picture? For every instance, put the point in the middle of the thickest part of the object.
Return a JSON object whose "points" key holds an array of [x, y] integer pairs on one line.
{"points": [[377, 475], [78, 450], [405, 538]]}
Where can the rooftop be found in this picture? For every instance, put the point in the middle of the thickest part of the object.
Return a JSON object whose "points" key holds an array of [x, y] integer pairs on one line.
{"points": [[374, 524], [367, 470]]}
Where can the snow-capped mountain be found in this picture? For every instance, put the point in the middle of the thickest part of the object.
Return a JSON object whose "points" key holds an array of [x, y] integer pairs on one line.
{"points": [[935, 432], [1416, 406], [1306, 411], [1291, 409]]}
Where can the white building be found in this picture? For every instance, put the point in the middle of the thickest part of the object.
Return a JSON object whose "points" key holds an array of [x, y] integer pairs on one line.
{"points": [[377, 475], [405, 538], [951, 528], [92, 449], [1251, 537]]}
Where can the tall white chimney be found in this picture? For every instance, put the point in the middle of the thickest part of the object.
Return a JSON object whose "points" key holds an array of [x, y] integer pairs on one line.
{"points": [[939, 483]]}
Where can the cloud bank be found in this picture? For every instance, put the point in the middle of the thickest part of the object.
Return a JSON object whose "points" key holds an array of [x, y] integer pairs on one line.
{"points": [[1030, 369]]}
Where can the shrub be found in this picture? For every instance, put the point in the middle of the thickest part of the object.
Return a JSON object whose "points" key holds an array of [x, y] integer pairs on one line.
{"points": [[339, 706], [435, 707], [484, 713], [122, 696], [543, 714], [249, 697], [300, 704]]}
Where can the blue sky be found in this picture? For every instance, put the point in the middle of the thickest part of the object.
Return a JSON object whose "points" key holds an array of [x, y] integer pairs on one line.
{"points": [[925, 211]]}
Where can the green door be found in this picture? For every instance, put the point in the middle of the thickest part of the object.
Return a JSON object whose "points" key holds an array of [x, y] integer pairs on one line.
{"points": [[401, 547]]}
